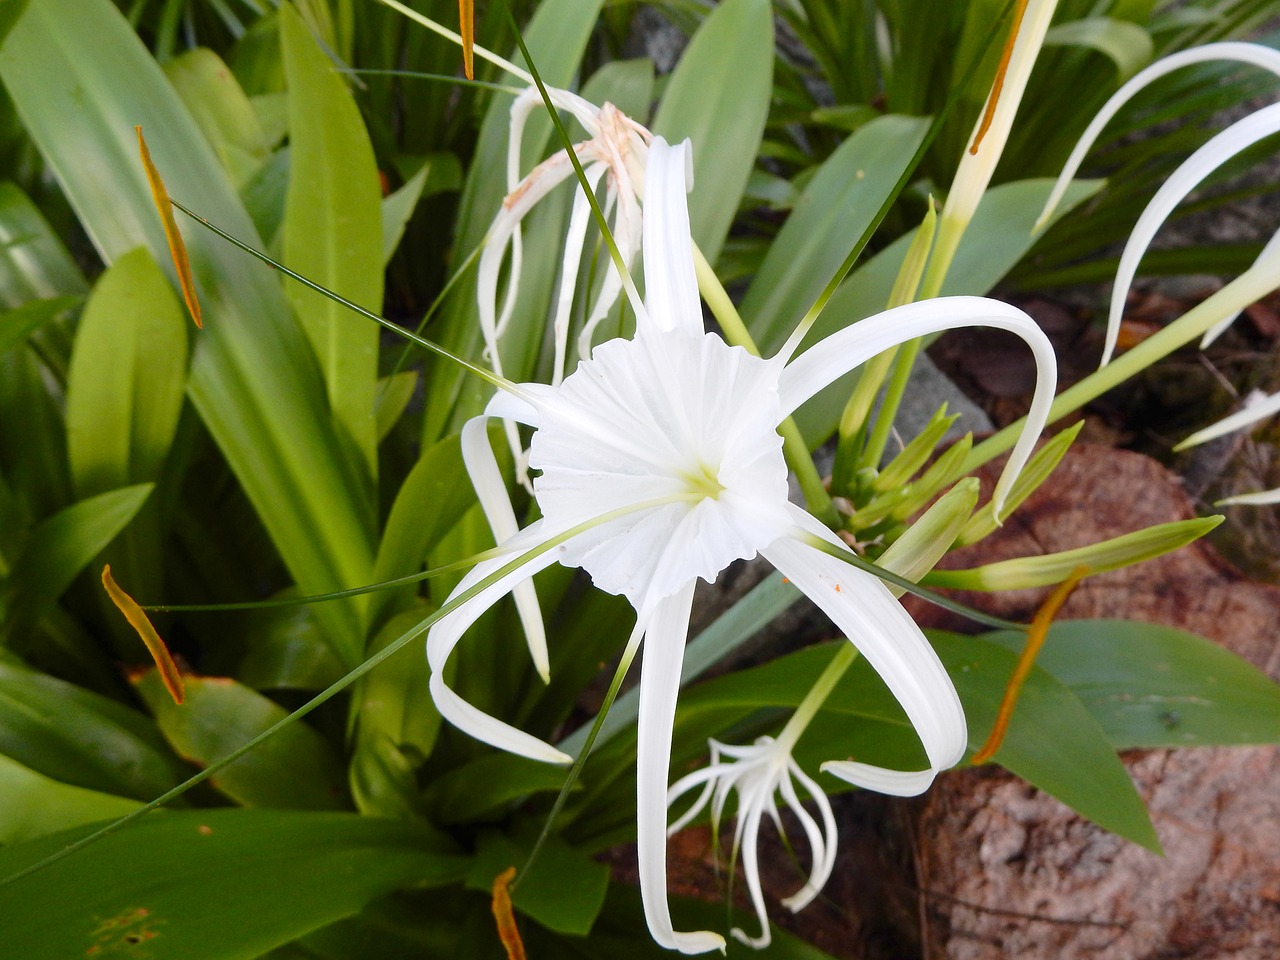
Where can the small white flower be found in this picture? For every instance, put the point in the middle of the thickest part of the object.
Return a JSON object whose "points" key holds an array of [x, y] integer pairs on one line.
{"points": [[679, 430], [759, 774]]}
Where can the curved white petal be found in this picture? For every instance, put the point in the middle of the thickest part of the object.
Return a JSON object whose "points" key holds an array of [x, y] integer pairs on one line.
{"points": [[841, 352], [526, 408], [864, 609], [894, 783], [670, 286], [1251, 53], [1269, 250], [749, 826], [444, 636], [575, 236], [1253, 411], [1260, 499], [822, 846], [1238, 137], [482, 467], [664, 642]]}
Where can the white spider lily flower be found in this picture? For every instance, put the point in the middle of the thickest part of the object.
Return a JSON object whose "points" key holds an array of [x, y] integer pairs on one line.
{"points": [[616, 153], [679, 430], [759, 774], [1236, 138]]}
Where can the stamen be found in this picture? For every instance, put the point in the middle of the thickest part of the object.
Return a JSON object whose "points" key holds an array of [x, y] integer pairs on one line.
{"points": [[998, 84], [1035, 640]]}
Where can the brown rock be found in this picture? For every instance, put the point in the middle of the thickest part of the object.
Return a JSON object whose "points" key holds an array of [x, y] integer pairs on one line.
{"points": [[1010, 872]]}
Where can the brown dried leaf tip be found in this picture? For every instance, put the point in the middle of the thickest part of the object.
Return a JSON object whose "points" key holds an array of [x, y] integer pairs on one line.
{"points": [[138, 619], [505, 916], [177, 249]]}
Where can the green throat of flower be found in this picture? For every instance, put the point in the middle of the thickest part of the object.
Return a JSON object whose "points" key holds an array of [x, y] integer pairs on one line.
{"points": [[704, 482]]}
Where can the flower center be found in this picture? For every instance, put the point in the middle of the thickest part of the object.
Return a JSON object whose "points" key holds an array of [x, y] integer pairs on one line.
{"points": [[704, 482]]}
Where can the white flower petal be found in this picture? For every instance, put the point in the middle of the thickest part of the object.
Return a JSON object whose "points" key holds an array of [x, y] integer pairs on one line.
{"points": [[1251, 53], [1254, 410], [671, 288], [1238, 137], [668, 628], [864, 609], [836, 355], [482, 467], [894, 783], [822, 845], [749, 826], [444, 636], [1269, 251], [575, 236], [1260, 499]]}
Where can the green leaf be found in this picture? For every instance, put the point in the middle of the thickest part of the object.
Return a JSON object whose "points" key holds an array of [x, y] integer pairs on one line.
{"points": [[222, 111], [288, 650], [998, 237], [829, 217], [18, 324], [34, 264], [333, 230], [438, 172], [564, 890], [296, 768], [32, 805], [476, 789], [62, 546], [718, 97], [126, 379], [81, 80], [212, 884], [1053, 742], [1126, 44], [9, 15], [78, 737], [627, 84], [1153, 686], [434, 495], [394, 394]]}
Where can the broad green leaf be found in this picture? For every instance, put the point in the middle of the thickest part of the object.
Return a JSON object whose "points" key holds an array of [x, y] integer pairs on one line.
{"points": [[432, 498], [81, 80], [437, 173], [1125, 44], [78, 737], [62, 546], [212, 884], [33, 456], [287, 651], [32, 805], [477, 789], [9, 15], [1053, 742], [829, 217], [221, 110], [1153, 686], [34, 264], [125, 383], [627, 84], [718, 96], [296, 768], [394, 394], [393, 702], [333, 230], [564, 890], [998, 237], [18, 324]]}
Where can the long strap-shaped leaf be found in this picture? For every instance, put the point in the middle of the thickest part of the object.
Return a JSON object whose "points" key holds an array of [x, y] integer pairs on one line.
{"points": [[81, 80]]}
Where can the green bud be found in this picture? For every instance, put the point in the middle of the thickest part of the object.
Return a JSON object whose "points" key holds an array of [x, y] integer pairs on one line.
{"points": [[927, 540], [915, 454], [1036, 472], [945, 471], [1111, 554]]}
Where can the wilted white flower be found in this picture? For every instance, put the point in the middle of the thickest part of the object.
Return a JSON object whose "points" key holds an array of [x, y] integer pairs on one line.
{"points": [[759, 774]]}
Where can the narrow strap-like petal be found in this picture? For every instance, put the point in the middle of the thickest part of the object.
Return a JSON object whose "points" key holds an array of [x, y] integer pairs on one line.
{"points": [[822, 847], [1251, 53], [575, 237], [1269, 251], [670, 286], [864, 609], [836, 355], [664, 641], [1236, 138], [482, 467], [446, 633], [1260, 409]]}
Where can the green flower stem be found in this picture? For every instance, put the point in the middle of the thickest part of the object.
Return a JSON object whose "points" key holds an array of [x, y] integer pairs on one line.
{"points": [[903, 363], [817, 696], [1251, 286], [796, 451]]}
